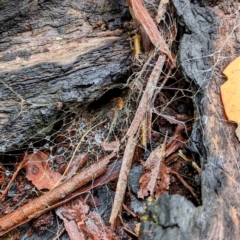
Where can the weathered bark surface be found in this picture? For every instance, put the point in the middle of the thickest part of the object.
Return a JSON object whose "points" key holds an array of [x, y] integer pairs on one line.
{"points": [[212, 43], [55, 53]]}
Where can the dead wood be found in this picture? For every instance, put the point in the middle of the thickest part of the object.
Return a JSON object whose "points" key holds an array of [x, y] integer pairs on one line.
{"points": [[56, 55], [211, 43], [36, 207], [139, 12], [147, 96], [133, 133]]}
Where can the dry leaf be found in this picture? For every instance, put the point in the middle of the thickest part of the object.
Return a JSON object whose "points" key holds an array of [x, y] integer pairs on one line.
{"points": [[38, 171], [70, 224], [156, 178], [230, 92], [95, 227], [79, 221]]}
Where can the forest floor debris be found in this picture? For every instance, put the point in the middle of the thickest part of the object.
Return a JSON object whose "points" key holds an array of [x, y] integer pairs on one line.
{"points": [[147, 124]]}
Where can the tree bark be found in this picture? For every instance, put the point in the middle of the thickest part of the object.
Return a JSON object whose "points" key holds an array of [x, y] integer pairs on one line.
{"points": [[211, 43], [54, 55]]}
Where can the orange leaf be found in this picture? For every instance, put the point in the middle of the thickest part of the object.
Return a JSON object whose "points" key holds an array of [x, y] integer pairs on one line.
{"points": [[38, 171], [230, 92]]}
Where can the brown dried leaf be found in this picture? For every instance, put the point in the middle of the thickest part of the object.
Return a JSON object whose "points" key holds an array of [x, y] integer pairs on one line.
{"points": [[156, 178], [38, 171], [163, 180], [94, 227], [70, 225]]}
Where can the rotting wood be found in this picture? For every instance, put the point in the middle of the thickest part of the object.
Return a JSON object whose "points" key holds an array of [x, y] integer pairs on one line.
{"points": [[209, 46], [56, 54]]}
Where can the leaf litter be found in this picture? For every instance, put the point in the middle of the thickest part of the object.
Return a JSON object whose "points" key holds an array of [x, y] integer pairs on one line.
{"points": [[146, 125]]}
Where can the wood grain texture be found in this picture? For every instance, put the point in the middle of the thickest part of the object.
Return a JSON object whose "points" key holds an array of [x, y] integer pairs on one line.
{"points": [[56, 51]]}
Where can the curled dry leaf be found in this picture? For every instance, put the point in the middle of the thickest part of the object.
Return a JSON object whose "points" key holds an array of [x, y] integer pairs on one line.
{"points": [[38, 171], [70, 224], [96, 229], [230, 92], [156, 178], [82, 224]]}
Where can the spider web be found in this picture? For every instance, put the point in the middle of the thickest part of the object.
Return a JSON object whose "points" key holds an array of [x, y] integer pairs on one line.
{"points": [[109, 118]]}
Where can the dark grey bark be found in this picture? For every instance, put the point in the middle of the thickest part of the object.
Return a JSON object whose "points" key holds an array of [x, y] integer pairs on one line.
{"points": [[211, 43], [56, 54]]}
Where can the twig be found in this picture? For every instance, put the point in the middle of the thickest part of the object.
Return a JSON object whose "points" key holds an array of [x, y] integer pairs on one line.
{"points": [[184, 183], [133, 133], [131, 233], [77, 147], [147, 96], [41, 205], [162, 84], [111, 173], [162, 8], [123, 176], [129, 211], [59, 234], [14, 176], [193, 163], [139, 12]]}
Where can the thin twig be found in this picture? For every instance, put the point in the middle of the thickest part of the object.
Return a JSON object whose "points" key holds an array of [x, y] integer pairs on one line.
{"points": [[41, 205], [162, 8], [59, 234], [133, 133], [184, 183], [14, 176], [147, 96], [73, 155]]}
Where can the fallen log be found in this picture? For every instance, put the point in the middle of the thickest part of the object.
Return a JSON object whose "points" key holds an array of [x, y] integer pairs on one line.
{"points": [[56, 55]]}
